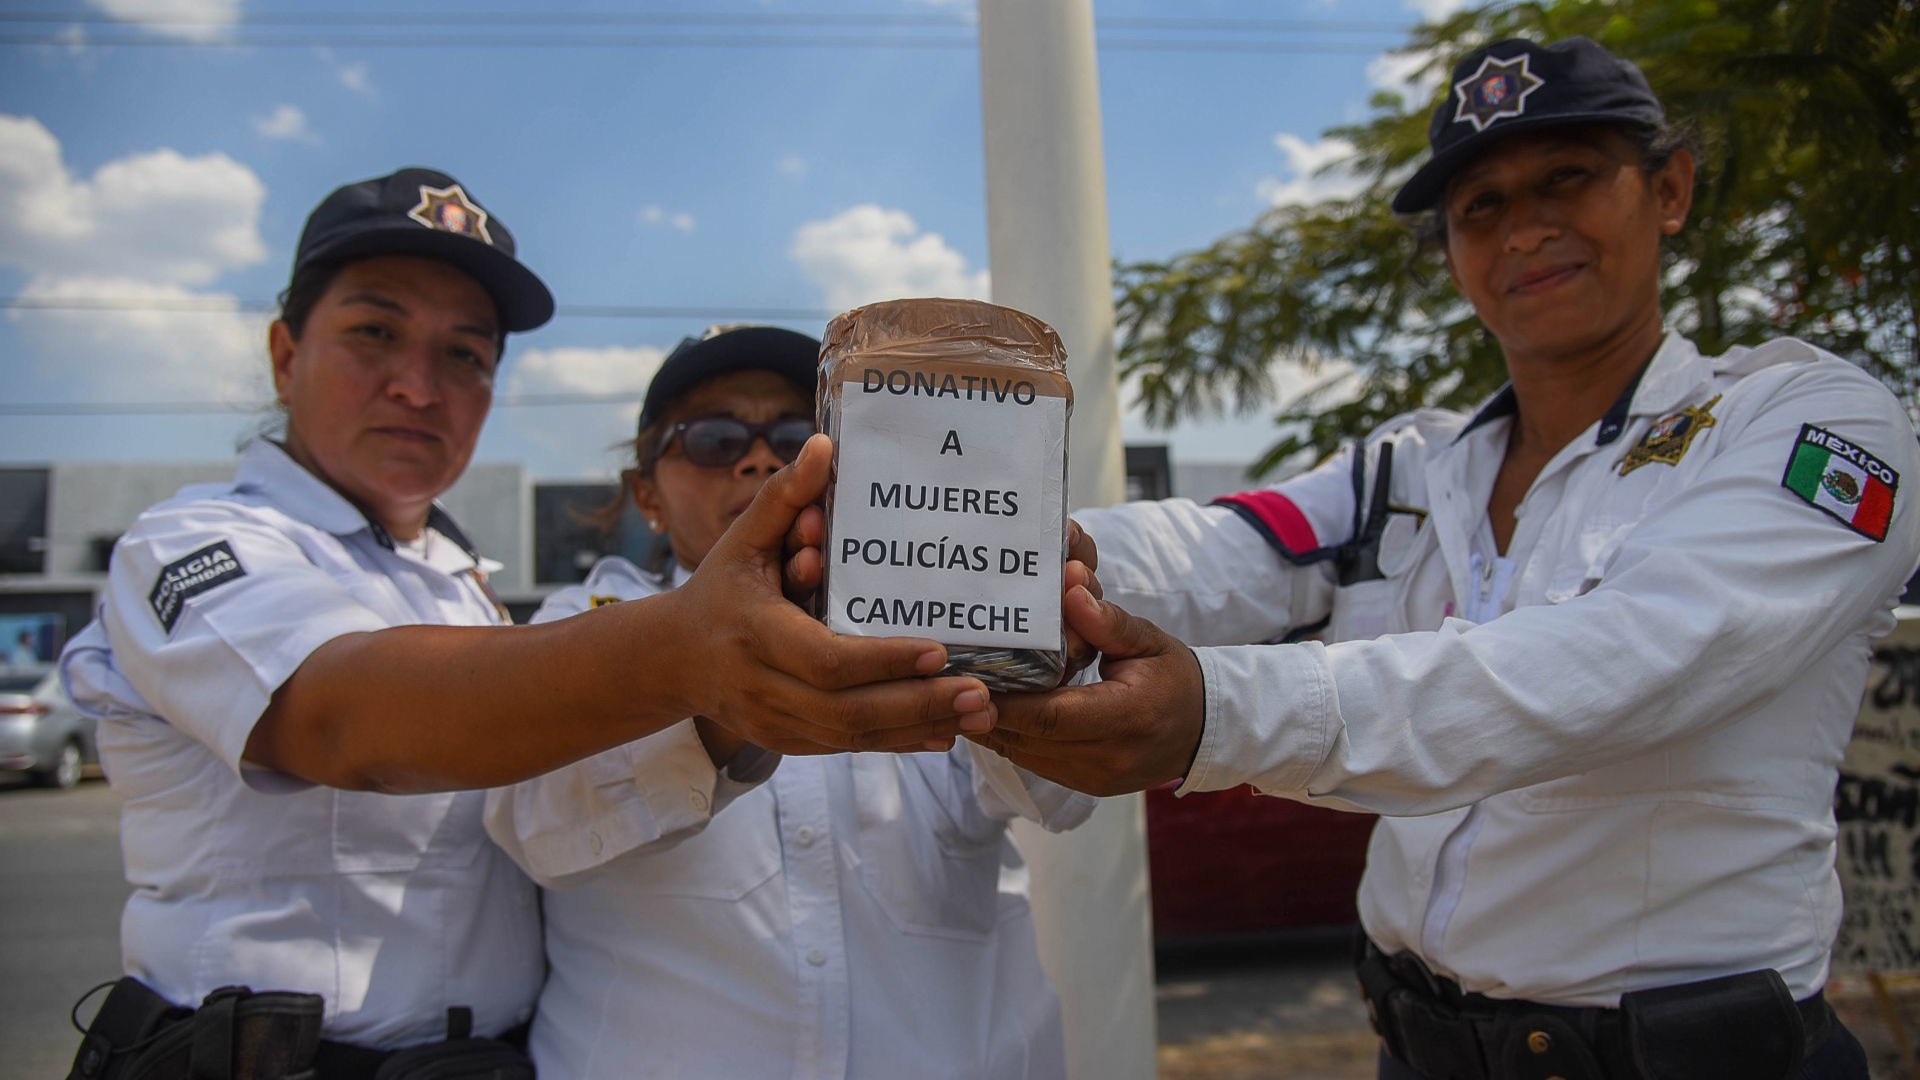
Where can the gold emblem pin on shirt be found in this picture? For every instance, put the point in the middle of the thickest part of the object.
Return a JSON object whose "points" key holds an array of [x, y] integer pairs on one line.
{"points": [[1667, 440]]}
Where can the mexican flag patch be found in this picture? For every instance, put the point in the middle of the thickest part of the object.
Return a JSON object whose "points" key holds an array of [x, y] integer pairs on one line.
{"points": [[1842, 479]]}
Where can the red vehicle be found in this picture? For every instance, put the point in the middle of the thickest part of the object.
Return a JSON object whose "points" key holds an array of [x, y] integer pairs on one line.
{"points": [[1235, 862]]}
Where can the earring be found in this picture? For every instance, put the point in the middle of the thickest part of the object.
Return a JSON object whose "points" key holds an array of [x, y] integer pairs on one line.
{"points": [[653, 524]]}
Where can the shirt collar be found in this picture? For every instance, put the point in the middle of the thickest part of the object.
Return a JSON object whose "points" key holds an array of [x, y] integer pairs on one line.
{"points": [[1660, 384], [1501, 405], [267, 469]]}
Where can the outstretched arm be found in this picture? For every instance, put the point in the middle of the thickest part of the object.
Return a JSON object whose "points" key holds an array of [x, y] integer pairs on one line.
{"points": [[423, 708]]}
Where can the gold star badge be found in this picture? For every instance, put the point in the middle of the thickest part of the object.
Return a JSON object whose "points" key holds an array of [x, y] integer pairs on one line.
{"points": [[449, 210], [1667, 440]]}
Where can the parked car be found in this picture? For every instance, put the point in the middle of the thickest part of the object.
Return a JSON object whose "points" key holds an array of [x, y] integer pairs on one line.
{"points": [[41, 733], [1231, 863]]}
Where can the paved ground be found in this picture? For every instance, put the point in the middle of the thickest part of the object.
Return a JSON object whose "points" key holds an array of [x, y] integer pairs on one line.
{"points": [[1272, 1007], [60, 898], [1279, 1007], [1288, 1008]]}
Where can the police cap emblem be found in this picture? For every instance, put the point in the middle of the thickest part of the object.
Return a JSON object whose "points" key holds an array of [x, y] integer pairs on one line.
{"points": [[1497, 89], [448, 209]]}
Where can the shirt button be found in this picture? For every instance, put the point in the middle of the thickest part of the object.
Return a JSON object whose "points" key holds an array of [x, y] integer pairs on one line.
{"points": [[804, 835], [697, 800], [593, 842], [817, 958]]}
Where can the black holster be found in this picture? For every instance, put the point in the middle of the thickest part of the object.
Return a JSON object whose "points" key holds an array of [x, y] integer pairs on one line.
{"points": [[1737, 1027], [235, 1034]]}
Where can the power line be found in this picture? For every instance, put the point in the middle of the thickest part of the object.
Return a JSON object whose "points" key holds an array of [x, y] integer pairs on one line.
{"points": [[215, 408], [217, 306], [211, 306], [605, 41], [483, 41], [494, 18], [946, 31], [576, 18]]}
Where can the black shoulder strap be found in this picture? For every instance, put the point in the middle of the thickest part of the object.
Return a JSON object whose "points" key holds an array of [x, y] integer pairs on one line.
{"points": [[1359, 558]]}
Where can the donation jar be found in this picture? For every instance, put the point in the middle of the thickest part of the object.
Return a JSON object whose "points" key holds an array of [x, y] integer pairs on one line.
{"points": [[947, 514]]}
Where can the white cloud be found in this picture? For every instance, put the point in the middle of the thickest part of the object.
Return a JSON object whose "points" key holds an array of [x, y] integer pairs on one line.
{"points": [[187, 20], [654, 214], [967, 12], [1435, 10], [868, 253], [355, 78], [213, 353], [1399, 72], [285, 122], [580, 436], [156, 215], [1314, 171], [146, 228], [793, 166], [614, 369]]}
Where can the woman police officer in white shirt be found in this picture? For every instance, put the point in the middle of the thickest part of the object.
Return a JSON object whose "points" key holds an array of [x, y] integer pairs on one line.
{"points": [[714, 911], [1594, 652], [295, 671]]}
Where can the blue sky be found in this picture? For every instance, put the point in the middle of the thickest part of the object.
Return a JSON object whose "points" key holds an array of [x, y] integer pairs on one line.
{"points": [[639, 170]]}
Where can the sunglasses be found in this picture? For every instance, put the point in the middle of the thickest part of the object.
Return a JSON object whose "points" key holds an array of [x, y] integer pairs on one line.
{"points": [[716, 441]]}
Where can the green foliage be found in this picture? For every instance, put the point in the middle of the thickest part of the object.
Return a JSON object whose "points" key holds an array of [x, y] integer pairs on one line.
{"points": [[1806, 223]]}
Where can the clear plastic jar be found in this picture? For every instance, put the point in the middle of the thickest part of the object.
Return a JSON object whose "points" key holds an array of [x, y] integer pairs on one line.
{"points": [[947, 516]]}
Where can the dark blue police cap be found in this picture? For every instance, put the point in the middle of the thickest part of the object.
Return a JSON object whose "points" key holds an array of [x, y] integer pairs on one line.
{"points": [[1517, 85], [423, 212], [723, 350]]}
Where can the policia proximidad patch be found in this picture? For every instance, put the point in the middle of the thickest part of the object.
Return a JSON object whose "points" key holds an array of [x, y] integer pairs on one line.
{"points": [[1843, 480], [189, 577]]}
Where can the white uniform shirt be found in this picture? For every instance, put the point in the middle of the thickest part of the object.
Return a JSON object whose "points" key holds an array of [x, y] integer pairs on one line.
{"points": [[392, 908], [1626, 780], [836, 916]]}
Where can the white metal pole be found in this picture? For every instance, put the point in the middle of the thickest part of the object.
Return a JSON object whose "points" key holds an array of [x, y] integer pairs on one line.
{"points": [[1047, 240]]}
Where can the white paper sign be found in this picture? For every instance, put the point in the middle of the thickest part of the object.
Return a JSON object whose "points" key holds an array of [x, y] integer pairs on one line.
{"points": [[948, 510]]}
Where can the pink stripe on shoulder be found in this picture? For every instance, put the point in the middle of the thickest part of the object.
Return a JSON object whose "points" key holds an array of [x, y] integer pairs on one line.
{"points": [[1280, 516]]}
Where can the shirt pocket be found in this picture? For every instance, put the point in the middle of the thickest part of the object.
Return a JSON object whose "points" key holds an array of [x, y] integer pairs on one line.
{"points": [[382, 834], [1584, 564], [925, 871], [1370, 609], [737, 852]]}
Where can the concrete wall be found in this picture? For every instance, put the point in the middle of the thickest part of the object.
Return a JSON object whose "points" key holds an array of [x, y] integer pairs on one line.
{"points": [[1205, 481], [89, 500], [494, 505]]}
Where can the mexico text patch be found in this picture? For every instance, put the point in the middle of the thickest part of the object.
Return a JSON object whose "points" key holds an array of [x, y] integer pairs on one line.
{"points": [[189, 577], [1842, 479]]}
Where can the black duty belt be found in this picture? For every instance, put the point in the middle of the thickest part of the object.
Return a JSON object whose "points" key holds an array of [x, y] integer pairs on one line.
{"points": [[477, 1057], [1744, 1026], [236, 1034]]}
